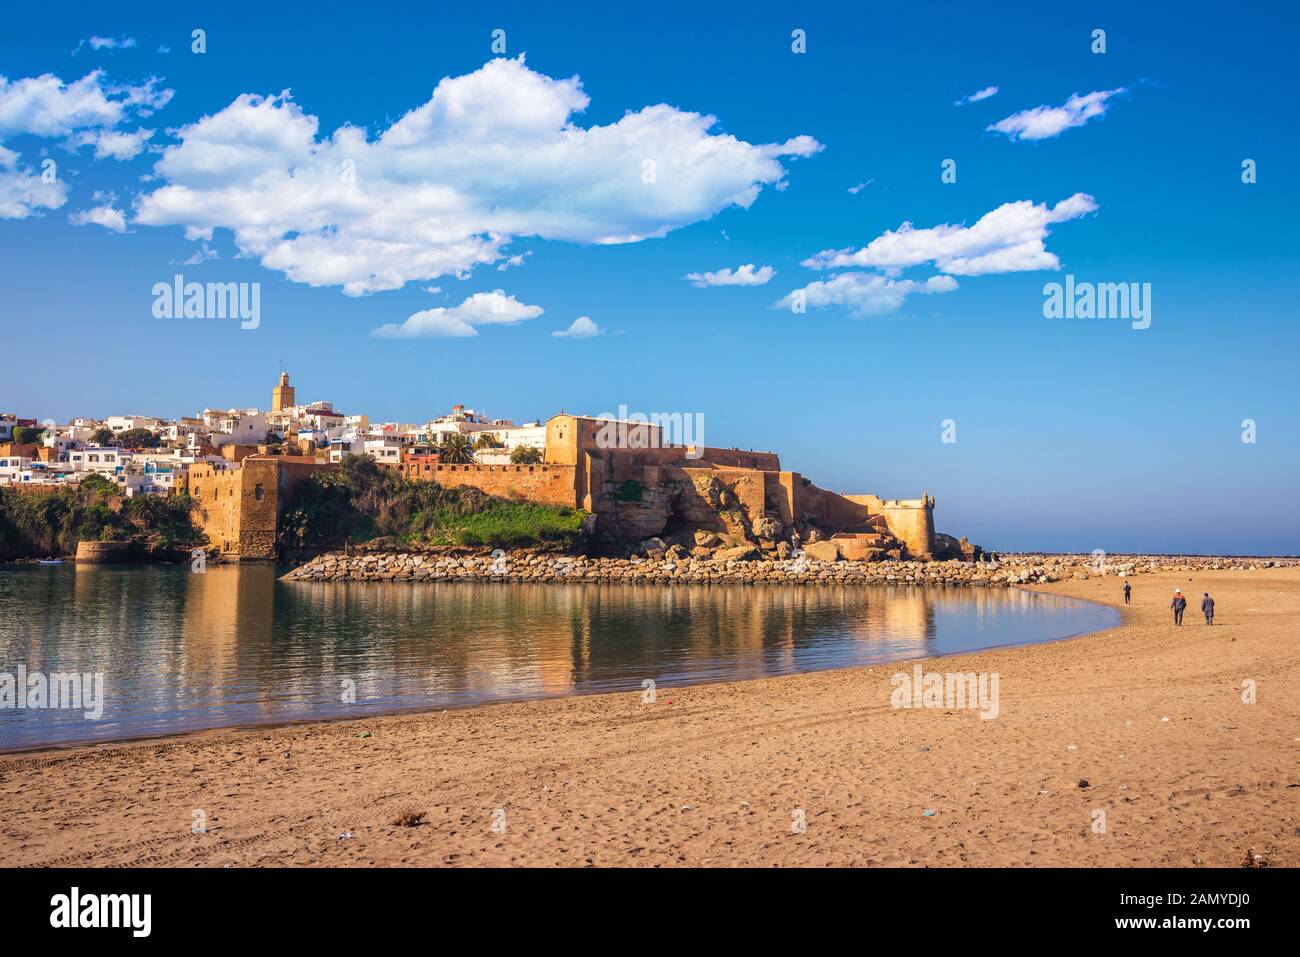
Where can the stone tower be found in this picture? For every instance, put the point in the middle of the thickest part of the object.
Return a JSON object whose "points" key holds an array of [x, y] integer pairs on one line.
{"points": [[282, 394]]}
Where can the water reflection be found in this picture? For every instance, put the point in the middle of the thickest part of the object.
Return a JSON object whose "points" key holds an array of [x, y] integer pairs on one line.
{"points": [[233, 645]]}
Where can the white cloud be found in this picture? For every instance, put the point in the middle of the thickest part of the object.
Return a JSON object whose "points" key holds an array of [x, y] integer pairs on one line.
{"points": [[480, 309], [865, 294], [492, 155], [583, 328], [1043, 122], [978, 95], [81, 113], [106, 216], [106, 43], [112, 144], [1008, 239], [24, 191], [200, 255], [745, 275], [46, 106], [860, 187]]}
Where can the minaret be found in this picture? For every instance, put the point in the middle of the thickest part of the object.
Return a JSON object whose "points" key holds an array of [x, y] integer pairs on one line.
{"points": [[282, 394]]}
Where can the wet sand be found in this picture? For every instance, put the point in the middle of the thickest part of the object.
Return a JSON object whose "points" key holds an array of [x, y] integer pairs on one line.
{"points": [[1150, 716]]}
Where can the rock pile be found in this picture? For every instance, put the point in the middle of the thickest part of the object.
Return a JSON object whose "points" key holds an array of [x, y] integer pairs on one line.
{"points": [[740, 564]]}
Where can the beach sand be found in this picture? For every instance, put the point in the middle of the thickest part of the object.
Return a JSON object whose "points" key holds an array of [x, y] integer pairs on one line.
{"points": [[1149, 715]]}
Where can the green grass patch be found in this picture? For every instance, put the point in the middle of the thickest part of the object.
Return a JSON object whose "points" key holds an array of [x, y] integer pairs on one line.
{"points": [[504, 524]]}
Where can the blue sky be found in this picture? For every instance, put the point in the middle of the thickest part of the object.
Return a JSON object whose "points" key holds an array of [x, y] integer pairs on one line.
{"points": [[1071, 434]]}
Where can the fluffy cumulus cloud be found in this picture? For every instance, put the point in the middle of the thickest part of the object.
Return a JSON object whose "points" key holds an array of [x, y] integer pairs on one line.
{"points": [[493, 155], [457, 322], [978, 95], [746, 275], [1043, 122], [46, 106], [23, 190], [107, 216], [84, 113], [582, 328], [1008, 239], [865, 294]]}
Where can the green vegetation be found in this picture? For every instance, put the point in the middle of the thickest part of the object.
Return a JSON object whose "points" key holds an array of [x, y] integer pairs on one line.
{"points": [[502, 524], [456, 449], [363, 501], [34, 524], [629, 491], [522, 455], [488, 440], [102, 436], [138, 439], [26, 435]]}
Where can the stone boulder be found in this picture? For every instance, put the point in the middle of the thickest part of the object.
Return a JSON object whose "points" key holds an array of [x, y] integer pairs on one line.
{"points": [[740, 553], [826, 551]]}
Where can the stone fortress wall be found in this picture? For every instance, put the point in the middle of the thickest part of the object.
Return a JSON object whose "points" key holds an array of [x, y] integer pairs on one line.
{"points": [[635, 486]]}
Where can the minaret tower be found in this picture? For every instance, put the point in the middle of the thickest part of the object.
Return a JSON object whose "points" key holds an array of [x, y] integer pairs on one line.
{"points": [[282, 395]]}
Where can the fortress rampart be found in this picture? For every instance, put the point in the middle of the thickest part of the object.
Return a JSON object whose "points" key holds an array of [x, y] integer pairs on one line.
{"points": [[635, 485]]}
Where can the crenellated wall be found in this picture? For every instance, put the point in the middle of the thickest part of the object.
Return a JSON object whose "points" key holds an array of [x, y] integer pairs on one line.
{"points": [[550, 484], [911, 521]]}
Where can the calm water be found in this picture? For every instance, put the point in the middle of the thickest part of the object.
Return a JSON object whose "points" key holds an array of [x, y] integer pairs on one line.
{"points": [[181, 651]]}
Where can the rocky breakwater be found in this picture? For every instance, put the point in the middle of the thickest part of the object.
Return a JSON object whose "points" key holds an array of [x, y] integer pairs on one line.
{"points": [[737, 565], [1027, 569]]}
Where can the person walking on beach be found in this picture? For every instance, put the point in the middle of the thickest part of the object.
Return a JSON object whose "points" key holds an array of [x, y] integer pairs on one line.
{"points": [[1207, 606], [1179, 605], [1127, 589]]}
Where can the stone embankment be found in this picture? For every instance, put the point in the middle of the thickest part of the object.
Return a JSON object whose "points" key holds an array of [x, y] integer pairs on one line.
{"points": [[730, 566]]}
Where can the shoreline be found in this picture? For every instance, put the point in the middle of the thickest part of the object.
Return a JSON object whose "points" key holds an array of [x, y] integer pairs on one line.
{"points": [[274, 724], [710, 774]]}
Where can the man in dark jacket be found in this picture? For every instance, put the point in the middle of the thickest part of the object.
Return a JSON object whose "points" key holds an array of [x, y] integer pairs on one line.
{"points": [[1127, 588], [1207, 606], [1179, 605]]}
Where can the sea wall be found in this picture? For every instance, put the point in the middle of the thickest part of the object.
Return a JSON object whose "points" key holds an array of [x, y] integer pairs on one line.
{"points": [[443, 565], [103, 553]]}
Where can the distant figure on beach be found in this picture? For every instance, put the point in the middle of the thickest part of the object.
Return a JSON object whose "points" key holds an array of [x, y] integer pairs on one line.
{"points": [[1127, 588], [1179, 605], [1207, 606]]}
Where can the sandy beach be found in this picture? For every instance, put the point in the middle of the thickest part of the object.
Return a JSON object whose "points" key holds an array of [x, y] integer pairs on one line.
{"points": [[1144, 723]]}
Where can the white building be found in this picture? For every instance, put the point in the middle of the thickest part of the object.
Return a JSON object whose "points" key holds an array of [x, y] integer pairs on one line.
{"points": [[98, 459], [124, 423], [385, 451]]}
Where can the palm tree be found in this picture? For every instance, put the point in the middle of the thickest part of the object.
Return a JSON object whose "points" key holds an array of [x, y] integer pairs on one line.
{"points": [[456, 449]]}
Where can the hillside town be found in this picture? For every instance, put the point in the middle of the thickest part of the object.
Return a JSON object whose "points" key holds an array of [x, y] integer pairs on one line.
{"points": [[637, 488], [147, 455]]}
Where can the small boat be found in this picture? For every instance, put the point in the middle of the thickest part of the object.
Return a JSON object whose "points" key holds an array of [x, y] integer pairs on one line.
{"points": [[49, 561]]}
